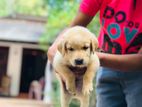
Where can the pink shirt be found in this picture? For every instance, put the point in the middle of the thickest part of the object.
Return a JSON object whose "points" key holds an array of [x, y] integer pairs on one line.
{"points": [[121, 24]]}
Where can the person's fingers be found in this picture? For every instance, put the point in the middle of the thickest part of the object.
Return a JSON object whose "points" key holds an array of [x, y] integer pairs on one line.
{"points": [[51, 52], [53, 48]]}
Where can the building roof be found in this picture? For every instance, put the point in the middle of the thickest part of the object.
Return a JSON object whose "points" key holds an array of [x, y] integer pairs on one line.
{"points": [[21, 29]]}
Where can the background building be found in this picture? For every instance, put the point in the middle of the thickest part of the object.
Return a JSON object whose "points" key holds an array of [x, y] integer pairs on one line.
{"points": [[20, 55]]}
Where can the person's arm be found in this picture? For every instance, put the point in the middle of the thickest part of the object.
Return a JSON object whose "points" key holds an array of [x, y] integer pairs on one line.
{"points": [[128, 62], [81, 19]]}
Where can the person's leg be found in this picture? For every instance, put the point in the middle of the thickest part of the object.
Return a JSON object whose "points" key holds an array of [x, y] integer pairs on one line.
{"points": [[108, 89], [133, 89]]}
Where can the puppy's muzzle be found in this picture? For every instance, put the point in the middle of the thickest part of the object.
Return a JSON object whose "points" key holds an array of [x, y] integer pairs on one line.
{"points": [[78, 61]]}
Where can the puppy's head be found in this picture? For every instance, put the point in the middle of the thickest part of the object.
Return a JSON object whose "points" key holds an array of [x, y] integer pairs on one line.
{"points": [[77, 46]]}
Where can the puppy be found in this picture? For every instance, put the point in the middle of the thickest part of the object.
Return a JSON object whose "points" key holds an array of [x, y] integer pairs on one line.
{"points": [[75, 64]]}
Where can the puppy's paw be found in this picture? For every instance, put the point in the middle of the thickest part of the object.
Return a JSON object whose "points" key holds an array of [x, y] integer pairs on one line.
{"points": [[71, 89], [87, 88]]}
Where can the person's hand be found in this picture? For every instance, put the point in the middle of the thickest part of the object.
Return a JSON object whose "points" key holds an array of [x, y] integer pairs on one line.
{"points": [[53, 48], [51, 52], [100, 55]]}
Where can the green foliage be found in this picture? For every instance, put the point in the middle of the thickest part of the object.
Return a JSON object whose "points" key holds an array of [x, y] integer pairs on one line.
{"points": [[3, 8], [28, 7], [31, 7], [60, 14]]}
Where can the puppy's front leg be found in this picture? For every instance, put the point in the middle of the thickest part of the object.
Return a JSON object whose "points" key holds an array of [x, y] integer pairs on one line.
{"points": [[85, 101], [65, 96], [65, 100], [88, 82], [89, 74], [69, 78], [88, 79], [70, 81]]}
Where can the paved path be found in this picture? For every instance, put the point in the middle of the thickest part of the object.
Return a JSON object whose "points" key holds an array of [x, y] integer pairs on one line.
{"points": [[13, 102]]}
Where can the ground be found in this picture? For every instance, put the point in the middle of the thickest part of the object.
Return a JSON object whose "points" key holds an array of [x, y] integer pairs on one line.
{"points": [[14, 102]]}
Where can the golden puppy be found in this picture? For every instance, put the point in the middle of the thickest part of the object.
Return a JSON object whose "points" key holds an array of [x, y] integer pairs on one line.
{"points": [[75, 63]]}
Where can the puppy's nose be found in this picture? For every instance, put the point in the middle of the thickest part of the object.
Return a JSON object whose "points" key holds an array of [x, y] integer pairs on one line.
{"points": [[78, 61]]}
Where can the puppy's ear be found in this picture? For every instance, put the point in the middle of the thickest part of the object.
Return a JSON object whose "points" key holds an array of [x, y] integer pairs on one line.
{"points": [[94, 44], [62, 47]]}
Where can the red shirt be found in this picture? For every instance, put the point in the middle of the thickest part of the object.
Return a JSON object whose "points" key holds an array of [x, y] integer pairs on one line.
{"points": [[121, 24]]}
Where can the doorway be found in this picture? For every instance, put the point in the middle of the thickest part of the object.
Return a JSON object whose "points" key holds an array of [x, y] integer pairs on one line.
{"points": [[3, 61], [33, 67]]}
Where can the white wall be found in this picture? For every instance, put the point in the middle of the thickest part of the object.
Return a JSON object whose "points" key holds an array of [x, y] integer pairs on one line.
{"points": [[14, 68]]}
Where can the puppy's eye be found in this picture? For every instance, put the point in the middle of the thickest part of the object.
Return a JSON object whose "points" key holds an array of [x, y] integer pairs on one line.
{"points": [[70, 49], [85, 47]]}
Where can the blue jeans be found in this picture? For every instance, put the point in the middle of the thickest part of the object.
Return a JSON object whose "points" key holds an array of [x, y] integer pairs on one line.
{"points": [[118, 89]]}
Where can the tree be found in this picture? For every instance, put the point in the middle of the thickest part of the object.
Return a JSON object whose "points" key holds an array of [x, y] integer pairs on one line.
{"points": [[60, 13], [30, 7]]}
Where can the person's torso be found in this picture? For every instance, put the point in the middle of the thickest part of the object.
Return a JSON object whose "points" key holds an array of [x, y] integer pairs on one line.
{"points": [[121, 26]]}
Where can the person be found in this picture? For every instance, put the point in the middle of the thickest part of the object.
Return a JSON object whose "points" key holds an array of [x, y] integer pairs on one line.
{"points": [[118, 82], [36, 89]]}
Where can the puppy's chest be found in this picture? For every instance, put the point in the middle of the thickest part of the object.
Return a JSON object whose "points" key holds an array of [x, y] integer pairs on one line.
{"points": [[79, 73]]}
